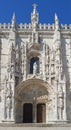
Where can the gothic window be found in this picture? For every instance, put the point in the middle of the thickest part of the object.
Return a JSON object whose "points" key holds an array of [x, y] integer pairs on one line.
{"points": [[34, 60]]}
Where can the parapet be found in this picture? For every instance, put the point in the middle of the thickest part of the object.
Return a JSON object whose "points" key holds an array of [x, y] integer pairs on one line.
{"points": [[41, 27]]}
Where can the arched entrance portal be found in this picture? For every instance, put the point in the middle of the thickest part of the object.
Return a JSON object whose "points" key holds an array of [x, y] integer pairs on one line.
{"points": [[31, 101]]}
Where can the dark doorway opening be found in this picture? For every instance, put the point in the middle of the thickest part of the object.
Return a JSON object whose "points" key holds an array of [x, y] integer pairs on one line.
{"points": [[27, 113], [41, 113]]}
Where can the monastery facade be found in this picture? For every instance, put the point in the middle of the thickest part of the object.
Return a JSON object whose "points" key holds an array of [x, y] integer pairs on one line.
{"points": [[35, 72]]}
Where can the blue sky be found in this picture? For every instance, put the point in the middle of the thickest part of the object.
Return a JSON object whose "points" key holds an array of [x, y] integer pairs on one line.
{"points": [[46, 9]]}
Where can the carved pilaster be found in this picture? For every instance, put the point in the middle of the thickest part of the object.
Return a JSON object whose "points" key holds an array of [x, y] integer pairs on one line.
{"points": [[43, 63], [0, 67], [25, 62], [22, 59], [65, 101]]}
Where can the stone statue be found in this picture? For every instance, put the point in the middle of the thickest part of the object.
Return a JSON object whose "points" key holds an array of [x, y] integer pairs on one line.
{"points": [[35, 68], [8, 101], [61, 104]]}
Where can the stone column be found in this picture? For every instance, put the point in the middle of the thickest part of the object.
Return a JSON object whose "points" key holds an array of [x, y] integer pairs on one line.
{"points": [[5, 86], [43, 62], [60, 104], [0, 67], [25, 57], [13, 103], [50, 68], [40, 66], [57, 73], [56, 100], [22, 51], [64, 112]]}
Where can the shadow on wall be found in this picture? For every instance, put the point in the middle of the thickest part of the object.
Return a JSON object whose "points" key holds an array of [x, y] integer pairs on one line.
{"points": [[67, 77], [0, 68]]}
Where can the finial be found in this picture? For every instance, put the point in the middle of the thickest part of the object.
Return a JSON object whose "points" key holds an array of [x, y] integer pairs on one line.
{"points": [[34, 17], [14, 17], [56, 17], [34, 5], [13, 20], [34, 10], [56, 22]]}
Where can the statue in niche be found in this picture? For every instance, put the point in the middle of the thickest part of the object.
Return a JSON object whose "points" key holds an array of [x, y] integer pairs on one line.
{"points": [[9, 94], [61, 103], [35, 68]]}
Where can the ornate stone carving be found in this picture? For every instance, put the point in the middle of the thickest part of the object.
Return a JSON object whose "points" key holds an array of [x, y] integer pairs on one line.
{"points": [[56, 22], [60, 104]]}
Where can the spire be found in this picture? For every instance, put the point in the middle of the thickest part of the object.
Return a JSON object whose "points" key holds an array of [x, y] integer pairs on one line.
{"points": [[13, 20], [56, 17], [56, 22], [34, 17], [34, 10]]}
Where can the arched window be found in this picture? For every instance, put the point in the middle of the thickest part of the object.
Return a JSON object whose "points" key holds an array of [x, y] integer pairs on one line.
{"points": [[32, 61]]}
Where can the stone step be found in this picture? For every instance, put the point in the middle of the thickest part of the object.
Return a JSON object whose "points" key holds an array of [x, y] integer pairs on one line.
{"points": [[34, 125], [35, 128]]}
